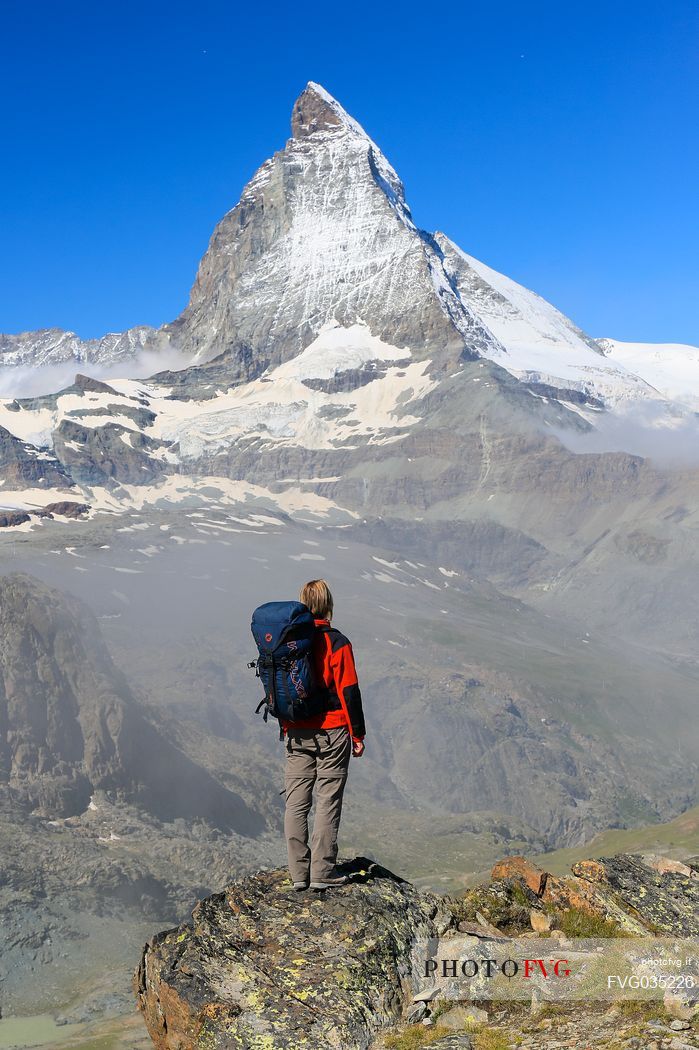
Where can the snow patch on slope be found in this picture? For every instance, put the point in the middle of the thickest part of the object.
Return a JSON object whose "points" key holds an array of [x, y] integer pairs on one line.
{"points": [[337, 349], [279, 407]]}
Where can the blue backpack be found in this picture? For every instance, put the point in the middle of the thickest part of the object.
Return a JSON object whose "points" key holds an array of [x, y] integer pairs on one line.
{"points": [[285, 633]]}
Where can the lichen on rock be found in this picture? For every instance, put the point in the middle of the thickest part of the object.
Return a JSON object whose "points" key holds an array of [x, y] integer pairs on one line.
{"points": [[262, 967]]}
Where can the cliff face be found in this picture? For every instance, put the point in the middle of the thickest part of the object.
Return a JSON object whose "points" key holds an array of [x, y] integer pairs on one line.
{"points": [[261, 966], [69, 724]]}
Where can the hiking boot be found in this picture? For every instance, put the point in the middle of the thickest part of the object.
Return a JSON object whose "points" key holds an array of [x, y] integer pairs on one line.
{"points": [[300, 886], [327, 884]]}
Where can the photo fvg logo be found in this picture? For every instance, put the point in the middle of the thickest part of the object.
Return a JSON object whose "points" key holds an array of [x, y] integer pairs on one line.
{"points": [[522, 968]]}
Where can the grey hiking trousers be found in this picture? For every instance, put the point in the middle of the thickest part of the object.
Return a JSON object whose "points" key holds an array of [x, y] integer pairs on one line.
{"points": [[320, 758]]}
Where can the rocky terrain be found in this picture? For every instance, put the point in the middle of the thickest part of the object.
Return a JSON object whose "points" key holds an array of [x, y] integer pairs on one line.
{"points": [[357, 966], [101, 844]]}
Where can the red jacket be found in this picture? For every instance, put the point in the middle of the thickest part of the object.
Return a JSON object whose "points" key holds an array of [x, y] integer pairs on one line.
{"points": [[334, 666]]}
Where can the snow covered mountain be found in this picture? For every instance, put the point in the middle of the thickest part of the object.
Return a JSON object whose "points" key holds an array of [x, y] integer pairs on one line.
{"points": [[336, 354], [322, 236], [51, 346], [542, 346]]}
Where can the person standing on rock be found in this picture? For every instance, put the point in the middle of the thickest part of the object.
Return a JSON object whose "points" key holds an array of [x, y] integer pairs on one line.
{"points": [[318, 751]]}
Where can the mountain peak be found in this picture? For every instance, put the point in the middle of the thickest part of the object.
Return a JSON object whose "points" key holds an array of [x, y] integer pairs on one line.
{"points": [[316, 110]]}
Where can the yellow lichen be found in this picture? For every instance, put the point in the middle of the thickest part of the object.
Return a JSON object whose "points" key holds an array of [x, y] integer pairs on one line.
{"points": [[255, 1000]]}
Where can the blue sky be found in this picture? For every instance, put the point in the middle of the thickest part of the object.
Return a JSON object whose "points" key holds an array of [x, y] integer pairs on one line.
{"points": [[556, 142]]}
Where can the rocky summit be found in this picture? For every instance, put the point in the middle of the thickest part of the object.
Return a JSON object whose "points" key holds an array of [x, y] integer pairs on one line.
{"points": [[261, 966], [326, 330], [264, 966]]}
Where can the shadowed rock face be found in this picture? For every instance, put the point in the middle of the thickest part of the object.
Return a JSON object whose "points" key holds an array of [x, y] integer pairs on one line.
{"points": [[10, 518], [67, 509], [108, 454], [69, 724], [23, 465], [311, 113], [263, 966]]}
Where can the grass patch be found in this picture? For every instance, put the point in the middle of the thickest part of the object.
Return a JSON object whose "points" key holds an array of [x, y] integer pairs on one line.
{"points": [[416, 1036], [682, 831], [577, 922], [550, 1010], [642, 1010], [519, 895], [489, 1039]]}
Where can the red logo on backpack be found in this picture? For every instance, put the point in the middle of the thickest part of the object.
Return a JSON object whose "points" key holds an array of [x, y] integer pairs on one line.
{"points": [[268, 637]]}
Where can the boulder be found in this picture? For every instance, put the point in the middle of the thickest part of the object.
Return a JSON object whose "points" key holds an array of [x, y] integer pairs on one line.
{"points": [[540, 921], [666, 901], [263, 966], [462, 1016], [640, 895], [522, 870]]}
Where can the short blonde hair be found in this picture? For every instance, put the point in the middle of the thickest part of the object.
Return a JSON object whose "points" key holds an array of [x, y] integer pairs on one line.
{"points": [[316, 595]]}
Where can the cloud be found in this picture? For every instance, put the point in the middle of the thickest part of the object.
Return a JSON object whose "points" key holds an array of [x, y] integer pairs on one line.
{"points": [[25, 381], [664, 433]]}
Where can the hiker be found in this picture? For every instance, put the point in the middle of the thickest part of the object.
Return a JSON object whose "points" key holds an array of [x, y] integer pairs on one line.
{"points": [[318, 751]]}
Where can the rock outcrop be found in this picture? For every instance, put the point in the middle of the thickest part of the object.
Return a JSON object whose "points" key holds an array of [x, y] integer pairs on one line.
{"points": [[25, 466], [263, 966], [67, 509], [10, 518], [103, 455], [638, 894]]}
